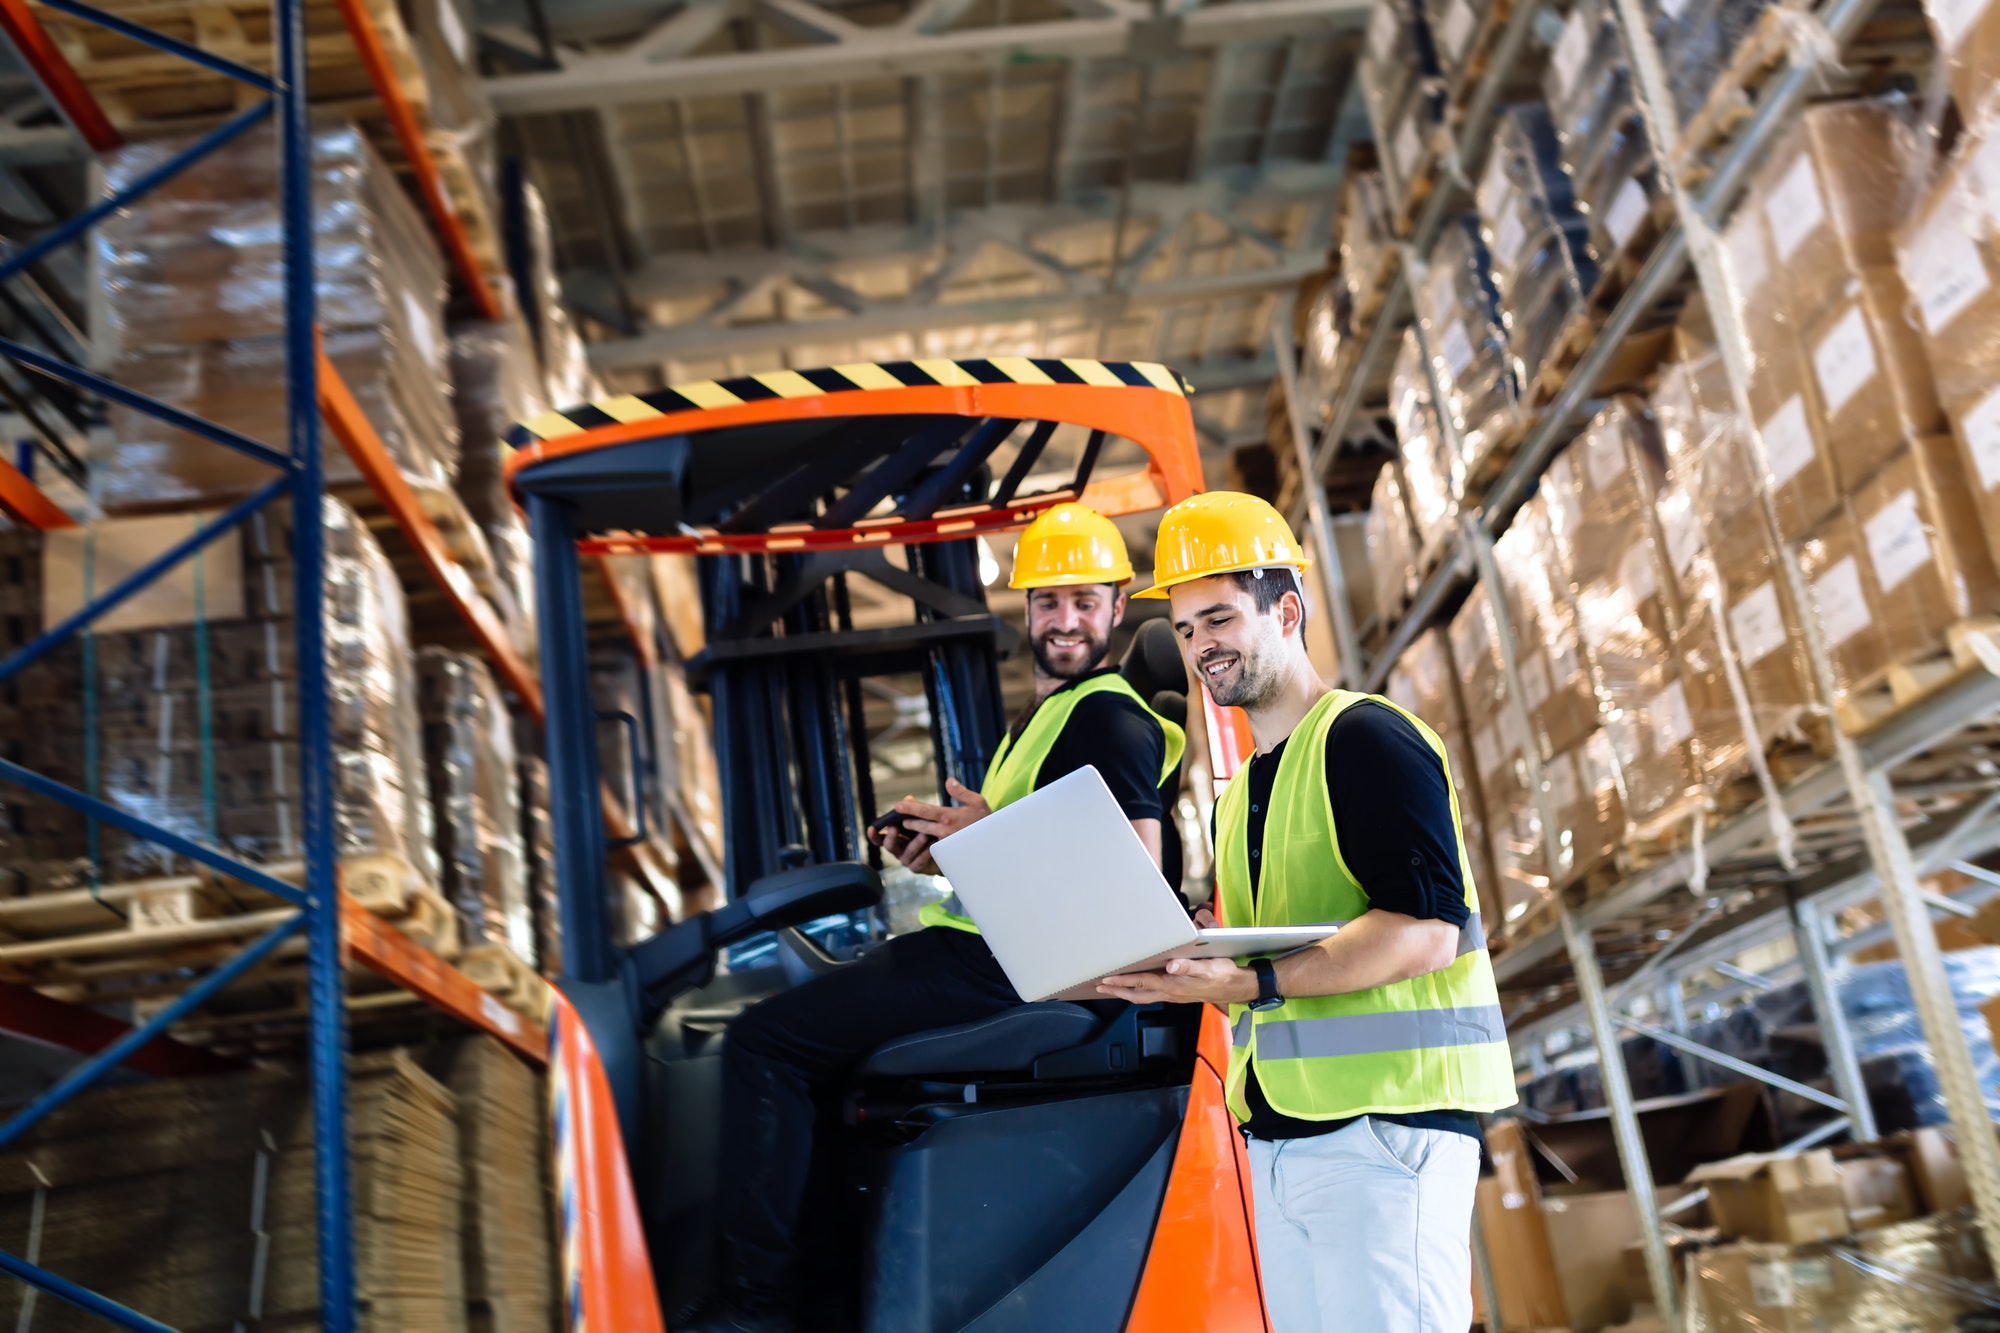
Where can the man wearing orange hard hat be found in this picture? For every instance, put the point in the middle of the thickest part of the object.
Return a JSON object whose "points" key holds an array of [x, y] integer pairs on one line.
{"points": [[785, 1052], [1357, 1065]]}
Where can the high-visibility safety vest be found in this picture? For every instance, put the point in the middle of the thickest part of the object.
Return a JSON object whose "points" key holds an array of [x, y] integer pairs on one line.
{"points": [[1434, 1042], [1017, 764]]}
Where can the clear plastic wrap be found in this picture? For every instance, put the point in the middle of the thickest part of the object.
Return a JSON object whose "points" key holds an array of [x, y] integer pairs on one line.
{"points": [[1949, 255], [456, 104], [566, 372], [1929, 1275], [1968, 39], [1871, 385], [1629, 610], [1537, 241], [1460, 312], [1325, 347], [1392, 555], [538, 841], [1926, 563], [194, 277], [1697, 41], [1432, 473], [1368, 254], [1460, 31], [1831, 195], [1425, 681], [194, 726], [473, 771], [1554, 680], [1398, 73], [1513, 817], [495, 384], [1764, 627]]}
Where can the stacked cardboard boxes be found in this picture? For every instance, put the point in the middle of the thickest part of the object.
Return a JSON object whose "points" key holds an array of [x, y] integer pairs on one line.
{"points": [[475, 794], [1538, 242], [1398, 73], [1605, 148], [184, 710], [194, 276], [1432, 475], [1460, 314]]}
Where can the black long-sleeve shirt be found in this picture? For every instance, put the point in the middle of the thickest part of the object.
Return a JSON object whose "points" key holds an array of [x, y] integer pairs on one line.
{"points": [[1392, 799]]}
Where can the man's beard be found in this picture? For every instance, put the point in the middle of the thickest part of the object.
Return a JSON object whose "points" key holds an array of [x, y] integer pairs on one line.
{"points": [[1092, 655], [1249, 684]]}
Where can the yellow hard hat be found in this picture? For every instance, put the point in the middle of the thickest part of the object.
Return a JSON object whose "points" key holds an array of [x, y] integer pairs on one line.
{"points": [[1069, 545], [1220, 532]]}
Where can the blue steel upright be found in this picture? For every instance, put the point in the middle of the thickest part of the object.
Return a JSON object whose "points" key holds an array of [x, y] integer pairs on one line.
{"points": [[299, 475], [326, 980]]}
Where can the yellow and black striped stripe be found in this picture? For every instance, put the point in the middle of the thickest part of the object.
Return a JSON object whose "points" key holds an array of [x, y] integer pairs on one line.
{"points": [[708, 394]]}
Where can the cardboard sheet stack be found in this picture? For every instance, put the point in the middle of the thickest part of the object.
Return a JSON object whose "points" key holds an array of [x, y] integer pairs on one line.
{"points": [[194, 277], [185, 709], [474, 791], [509, 1220], [203, 1216]]}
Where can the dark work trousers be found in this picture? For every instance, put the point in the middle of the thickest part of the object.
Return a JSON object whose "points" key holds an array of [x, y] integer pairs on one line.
{"points": [[787, 1054]]}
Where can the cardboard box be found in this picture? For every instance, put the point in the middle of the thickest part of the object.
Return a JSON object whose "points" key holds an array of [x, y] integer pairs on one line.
{"points": [[1832, 196], [1949, 258], [1763, 624], [1968, 37], [1927, 556], [1871, 382], [1804, 484], [1588, 1234], [1721, 742], [1876, 1191], [1516, 1234], [1762, 1288], [1790, 1199], [1834, 560]]}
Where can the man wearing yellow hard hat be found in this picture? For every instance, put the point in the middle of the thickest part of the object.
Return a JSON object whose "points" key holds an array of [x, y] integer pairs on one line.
{"points": [[1356, 1065], [783, 1053]]}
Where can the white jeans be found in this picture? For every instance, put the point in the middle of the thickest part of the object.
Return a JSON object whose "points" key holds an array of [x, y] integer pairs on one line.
{"points": [[1367, 1229]]}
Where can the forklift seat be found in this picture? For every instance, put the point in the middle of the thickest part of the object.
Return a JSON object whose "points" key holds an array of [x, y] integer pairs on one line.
{"points": [[1153, 667], [1007, 1043]]}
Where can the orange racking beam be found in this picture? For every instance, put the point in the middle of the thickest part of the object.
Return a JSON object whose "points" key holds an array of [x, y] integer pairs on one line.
{"points": [[58, 77], [399, 958], [23, 501], [403, 120]]}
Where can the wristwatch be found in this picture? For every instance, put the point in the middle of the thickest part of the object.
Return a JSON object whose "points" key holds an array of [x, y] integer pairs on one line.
{"points": [[1267, 984]]}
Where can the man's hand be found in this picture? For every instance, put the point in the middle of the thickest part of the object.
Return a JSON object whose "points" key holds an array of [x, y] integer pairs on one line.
{"points": [[941, 821], [926, 823], [1186, 981], [912, 849]]}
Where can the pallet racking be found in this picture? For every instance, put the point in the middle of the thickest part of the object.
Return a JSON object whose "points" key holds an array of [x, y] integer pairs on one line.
{"points": [[1863, 782], [336, 927]]}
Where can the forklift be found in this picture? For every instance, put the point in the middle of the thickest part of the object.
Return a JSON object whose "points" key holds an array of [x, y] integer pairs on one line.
{"points": [[1062, 1166]]}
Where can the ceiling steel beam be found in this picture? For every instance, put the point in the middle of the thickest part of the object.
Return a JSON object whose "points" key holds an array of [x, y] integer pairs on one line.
{"points": [[642, 76], [709, 340]]}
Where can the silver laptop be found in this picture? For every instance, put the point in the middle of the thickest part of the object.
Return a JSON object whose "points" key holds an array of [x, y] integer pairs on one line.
{"points": [[1065, 893]]}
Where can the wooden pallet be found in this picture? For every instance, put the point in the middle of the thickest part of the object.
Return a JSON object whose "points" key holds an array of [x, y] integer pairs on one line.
{"points": [[83, 938], [1970, 647], [148, 93], [468, 196]]}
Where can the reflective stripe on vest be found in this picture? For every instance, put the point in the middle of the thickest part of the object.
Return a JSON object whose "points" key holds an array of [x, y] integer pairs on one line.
{"points": [[1372, 1034], [1017, 765], [1433, 1042]]}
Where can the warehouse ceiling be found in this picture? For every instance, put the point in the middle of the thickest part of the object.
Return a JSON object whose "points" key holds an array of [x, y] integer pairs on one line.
{"points": [[741, 185]]}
